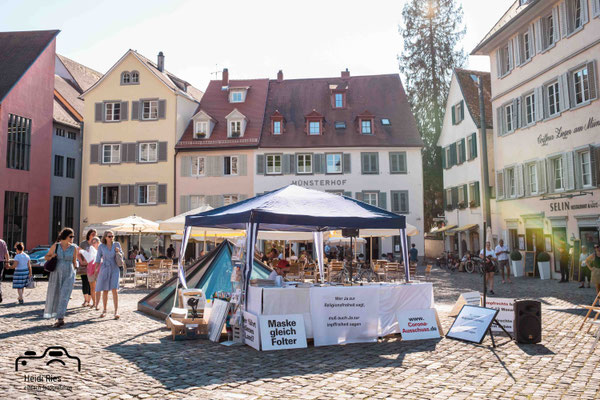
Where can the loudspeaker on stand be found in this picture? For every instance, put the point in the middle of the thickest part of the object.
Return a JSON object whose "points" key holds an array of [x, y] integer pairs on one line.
{"points": [[528, 321]]}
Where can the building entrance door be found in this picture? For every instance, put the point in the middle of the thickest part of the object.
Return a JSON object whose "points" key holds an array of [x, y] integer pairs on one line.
{"points": [[375, 247], [559, 239], [589, 237], [475, 246], [534, 241]]}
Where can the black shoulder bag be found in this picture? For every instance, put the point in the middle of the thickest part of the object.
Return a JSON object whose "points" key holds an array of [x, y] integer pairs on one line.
{"points": [[50, 265]]}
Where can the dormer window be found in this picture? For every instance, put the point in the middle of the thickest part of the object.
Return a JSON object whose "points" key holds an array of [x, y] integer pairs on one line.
{"points": [[338, 94], [277, 123], [339, 100], [237, 94], [203, 125], [365, 123], [314, 123], [236, 124]]}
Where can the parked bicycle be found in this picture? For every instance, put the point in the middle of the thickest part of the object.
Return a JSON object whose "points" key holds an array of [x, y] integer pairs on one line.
{"points": [[447, 261]]}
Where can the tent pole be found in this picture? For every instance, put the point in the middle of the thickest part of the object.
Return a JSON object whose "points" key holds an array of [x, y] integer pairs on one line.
{"points": [[371, 249]]}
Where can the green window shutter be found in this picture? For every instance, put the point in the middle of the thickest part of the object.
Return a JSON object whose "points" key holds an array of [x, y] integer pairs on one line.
{"points": [[395, 201], [363, 162], [162, 193], [453, 154], [463, 151], [477, 195], [404, 202], [474, 145], [318, 163], [444, 158], [348, 194], [382, 198], [260, 164], [444, 198], [453, 117], [466, 194], [375, 159], [285, 168], [462, 110], [455, 197], [359, 196]]}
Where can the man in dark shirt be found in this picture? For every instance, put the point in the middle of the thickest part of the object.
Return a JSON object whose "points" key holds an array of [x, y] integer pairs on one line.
{"points": [[413, 254], [171, 251]]}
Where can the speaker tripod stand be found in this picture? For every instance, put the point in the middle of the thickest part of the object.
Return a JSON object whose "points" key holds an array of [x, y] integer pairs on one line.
{"points": [[494, 321]]}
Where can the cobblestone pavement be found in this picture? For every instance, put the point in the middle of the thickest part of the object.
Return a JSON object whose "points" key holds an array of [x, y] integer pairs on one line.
{"points": [[134, 357]]}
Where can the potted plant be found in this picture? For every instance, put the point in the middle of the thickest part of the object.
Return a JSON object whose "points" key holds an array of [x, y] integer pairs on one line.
{"points": [[200, 135], [472, 204], [543, 261], [462, 205], [516, 260]]}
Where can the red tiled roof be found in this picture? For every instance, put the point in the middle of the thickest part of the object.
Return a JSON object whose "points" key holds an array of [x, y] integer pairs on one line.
{"points": [[215, 102], [18, 51], [470, 91], [382, 95]]}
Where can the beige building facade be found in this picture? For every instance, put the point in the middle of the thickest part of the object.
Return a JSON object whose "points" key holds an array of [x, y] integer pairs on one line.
{"points": [[134, 116], [544, 68]]}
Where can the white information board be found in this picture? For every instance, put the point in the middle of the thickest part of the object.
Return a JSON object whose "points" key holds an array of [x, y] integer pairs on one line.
{"points": [[251, 332], [347, 314], [472, 323], [506, 312], [216, 321], [470, 298], [278, 332], [418, 324]]}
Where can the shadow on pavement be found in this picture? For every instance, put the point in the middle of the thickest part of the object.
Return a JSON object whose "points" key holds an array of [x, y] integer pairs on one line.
{"points": [[47, 326], [535, 349], [180, 364]]}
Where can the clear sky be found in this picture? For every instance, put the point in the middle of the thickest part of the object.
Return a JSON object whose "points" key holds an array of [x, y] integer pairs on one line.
{"points": [[254, 39]]}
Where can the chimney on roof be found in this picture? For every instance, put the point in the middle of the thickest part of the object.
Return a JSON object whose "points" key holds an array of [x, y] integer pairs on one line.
{"points": [[225, 75], [280, 76], [346, 73], [161, 61]]}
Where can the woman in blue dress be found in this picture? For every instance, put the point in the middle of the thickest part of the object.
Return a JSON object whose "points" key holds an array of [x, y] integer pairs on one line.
{"points": [[108, 277], [23, 273], [61, 280]]}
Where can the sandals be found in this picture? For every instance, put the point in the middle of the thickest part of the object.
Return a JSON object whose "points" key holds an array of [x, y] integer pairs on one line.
{"points": [[59, 323], [103, 314], [117, 316]]}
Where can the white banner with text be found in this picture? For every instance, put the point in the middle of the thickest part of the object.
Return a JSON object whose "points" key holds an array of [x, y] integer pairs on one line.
{"points": [[278, 332]]}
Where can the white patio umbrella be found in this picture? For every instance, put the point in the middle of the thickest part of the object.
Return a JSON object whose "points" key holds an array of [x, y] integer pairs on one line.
{"points": [[134, 224]]}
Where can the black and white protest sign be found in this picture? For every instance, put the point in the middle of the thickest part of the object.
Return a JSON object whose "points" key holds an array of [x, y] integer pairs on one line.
{"points": [[279, 332], [472, 323], [251, 332]]}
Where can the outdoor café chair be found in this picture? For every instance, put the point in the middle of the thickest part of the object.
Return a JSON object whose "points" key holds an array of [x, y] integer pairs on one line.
{"points": [[392, 269], [141, 272], [337, 273], [155, 271]]}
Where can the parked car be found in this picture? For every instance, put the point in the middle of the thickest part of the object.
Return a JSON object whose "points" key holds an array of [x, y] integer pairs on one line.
{"points": [[37, 265], [38, 248]]}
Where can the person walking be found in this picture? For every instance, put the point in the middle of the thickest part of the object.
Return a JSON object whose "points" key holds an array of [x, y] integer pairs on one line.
{"points": [[489, 257], [4, 258], [585, 271], [413, 254], [593, 263], [108, 277], [61, 280], [85, 245], [502, 255], [87, 260], [564, 264], [23, 272], [171, 252]]}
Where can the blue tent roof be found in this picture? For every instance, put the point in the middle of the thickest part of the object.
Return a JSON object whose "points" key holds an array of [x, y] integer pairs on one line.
{"points": [[294, 208], [211, 274]]}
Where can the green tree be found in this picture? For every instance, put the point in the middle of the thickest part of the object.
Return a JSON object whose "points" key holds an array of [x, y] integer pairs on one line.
{"points": [[431, 33]]}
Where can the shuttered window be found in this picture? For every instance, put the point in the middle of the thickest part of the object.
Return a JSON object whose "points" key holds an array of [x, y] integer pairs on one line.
{"points": [[149, 109], [197, 166], [273, 164], [112, 111], [230, 165], [109, 195], [398, 163], [370, 163], [304, 164], [472, 146], [399, 201], [147, 194], [148, 152], [334, 163]]}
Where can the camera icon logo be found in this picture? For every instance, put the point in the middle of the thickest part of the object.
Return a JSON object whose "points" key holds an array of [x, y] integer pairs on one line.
{"points": [[53, 356]]}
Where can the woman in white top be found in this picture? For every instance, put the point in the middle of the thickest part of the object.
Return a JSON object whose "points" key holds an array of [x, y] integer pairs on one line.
{"points": [[489, 257], [92, 269]]}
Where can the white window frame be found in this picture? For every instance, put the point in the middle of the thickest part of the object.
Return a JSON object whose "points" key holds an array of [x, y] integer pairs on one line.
{"points": [[509, 117], [547, 25], [233, 166], [301, 161], [525, 44], [366, 127], [448, 156], [277, 127], [200, 127], [505, 66], [149, 110], [582, 168], [510, 176], [229, 199], [532, 173], [150, 193], [235, 127], [369, 196], [197, 200], [469, 144], [555, 86], [448, 197], [583, 85], [529, 108], [135, 77], [571, 7], [114, 155], [146, 149], [459, 144], [273, 169], [102, 198], [237, 96], [110, 111], [558, 162], [316, 125], [198, 166], [334, 157]]}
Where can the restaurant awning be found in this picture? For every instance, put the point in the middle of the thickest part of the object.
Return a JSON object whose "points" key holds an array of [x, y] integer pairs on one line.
{"points": [[468, 227], [446, 228]]}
